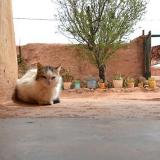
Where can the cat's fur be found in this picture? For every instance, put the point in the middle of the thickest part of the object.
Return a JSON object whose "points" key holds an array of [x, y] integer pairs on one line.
{"points": [[41, 85]]}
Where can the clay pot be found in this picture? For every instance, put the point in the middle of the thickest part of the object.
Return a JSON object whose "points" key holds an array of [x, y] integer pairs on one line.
{"points": [[118, 83], [67, 85], [130, 84], [91, 84], [152, 83], [77, 85], [102, 85], [140, 84]]}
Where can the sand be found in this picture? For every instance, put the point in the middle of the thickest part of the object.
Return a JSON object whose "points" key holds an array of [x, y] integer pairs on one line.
{"points": [[83, 103]]}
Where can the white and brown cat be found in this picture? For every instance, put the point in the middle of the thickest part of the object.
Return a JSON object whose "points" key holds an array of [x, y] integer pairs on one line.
{"points": [[41, 85]]}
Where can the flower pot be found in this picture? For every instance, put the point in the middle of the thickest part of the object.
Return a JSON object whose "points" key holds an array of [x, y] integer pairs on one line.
{"points": [[102, 85], [91, 84], [77, 85], [130, 84], [118, 83], [152, 83], [140, 85], [67, 85]]}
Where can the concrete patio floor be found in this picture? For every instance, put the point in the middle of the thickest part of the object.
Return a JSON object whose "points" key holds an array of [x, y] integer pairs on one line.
{"points": [[79, 139], [84, 126]]}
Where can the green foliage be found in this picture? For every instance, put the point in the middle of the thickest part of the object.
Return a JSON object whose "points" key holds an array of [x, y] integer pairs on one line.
{"points": [[151, 79], [22, 66], [109, 84], [118, 77], [66, 75], [101, 25], [101, 81], [84, 84], [77, 81], [130, 80]]}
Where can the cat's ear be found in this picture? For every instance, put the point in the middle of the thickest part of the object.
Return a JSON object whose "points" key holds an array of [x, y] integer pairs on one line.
{"points": [[39, 66], [59, 68]]}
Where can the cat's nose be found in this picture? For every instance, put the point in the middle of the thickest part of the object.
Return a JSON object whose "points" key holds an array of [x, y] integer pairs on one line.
{"points": [[49, 82]]}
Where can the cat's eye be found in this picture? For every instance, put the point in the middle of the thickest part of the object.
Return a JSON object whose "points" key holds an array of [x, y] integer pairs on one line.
{"points": [[52, 78], [44, 77]]}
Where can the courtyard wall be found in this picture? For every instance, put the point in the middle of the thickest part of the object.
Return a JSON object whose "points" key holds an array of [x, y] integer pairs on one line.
{"points": [[129, 60]]}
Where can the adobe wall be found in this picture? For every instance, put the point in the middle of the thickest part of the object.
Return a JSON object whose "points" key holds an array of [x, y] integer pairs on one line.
{"points": [[8, 60], [128, 60], [155, 71]]}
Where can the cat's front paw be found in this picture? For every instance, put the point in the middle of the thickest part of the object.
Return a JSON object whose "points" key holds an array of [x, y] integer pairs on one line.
{"points": [[55, 101], [51, 103]]}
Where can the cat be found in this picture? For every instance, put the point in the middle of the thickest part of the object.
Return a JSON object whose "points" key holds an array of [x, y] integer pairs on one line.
{"points": [[40, 85]]}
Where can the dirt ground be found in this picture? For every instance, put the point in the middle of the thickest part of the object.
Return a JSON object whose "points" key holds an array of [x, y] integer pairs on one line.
{"points": [[110, 103]]}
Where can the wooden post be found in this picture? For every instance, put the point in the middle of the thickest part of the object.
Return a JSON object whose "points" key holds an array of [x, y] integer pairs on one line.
{"points": [[143, 32], [147, 54], [8, 56]]}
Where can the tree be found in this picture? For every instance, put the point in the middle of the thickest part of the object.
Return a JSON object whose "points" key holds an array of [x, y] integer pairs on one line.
{"points": [[101, 25]]}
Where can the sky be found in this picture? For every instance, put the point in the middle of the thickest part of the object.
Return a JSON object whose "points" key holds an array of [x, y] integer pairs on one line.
{"points": [[46, 31]]}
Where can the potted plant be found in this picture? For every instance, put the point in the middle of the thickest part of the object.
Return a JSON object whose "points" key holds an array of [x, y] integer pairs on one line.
{"points": [[109, 84], [130, 82], [77, 84], [152, 82], [83, 84], [118, 81], [101, 84], [141, 82], [67, 79], [91, 82]]}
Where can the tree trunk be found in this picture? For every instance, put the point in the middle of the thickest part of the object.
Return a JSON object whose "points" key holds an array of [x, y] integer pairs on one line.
{"points": [[102, 71], [8, 56]]}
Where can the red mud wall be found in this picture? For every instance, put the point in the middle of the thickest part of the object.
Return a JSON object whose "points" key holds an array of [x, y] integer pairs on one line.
{"points": [[128, 60], [155, 71], [8, 60]]}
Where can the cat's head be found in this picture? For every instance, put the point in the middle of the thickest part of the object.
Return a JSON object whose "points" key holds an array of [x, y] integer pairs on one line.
{"points": [[48, 75]]}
